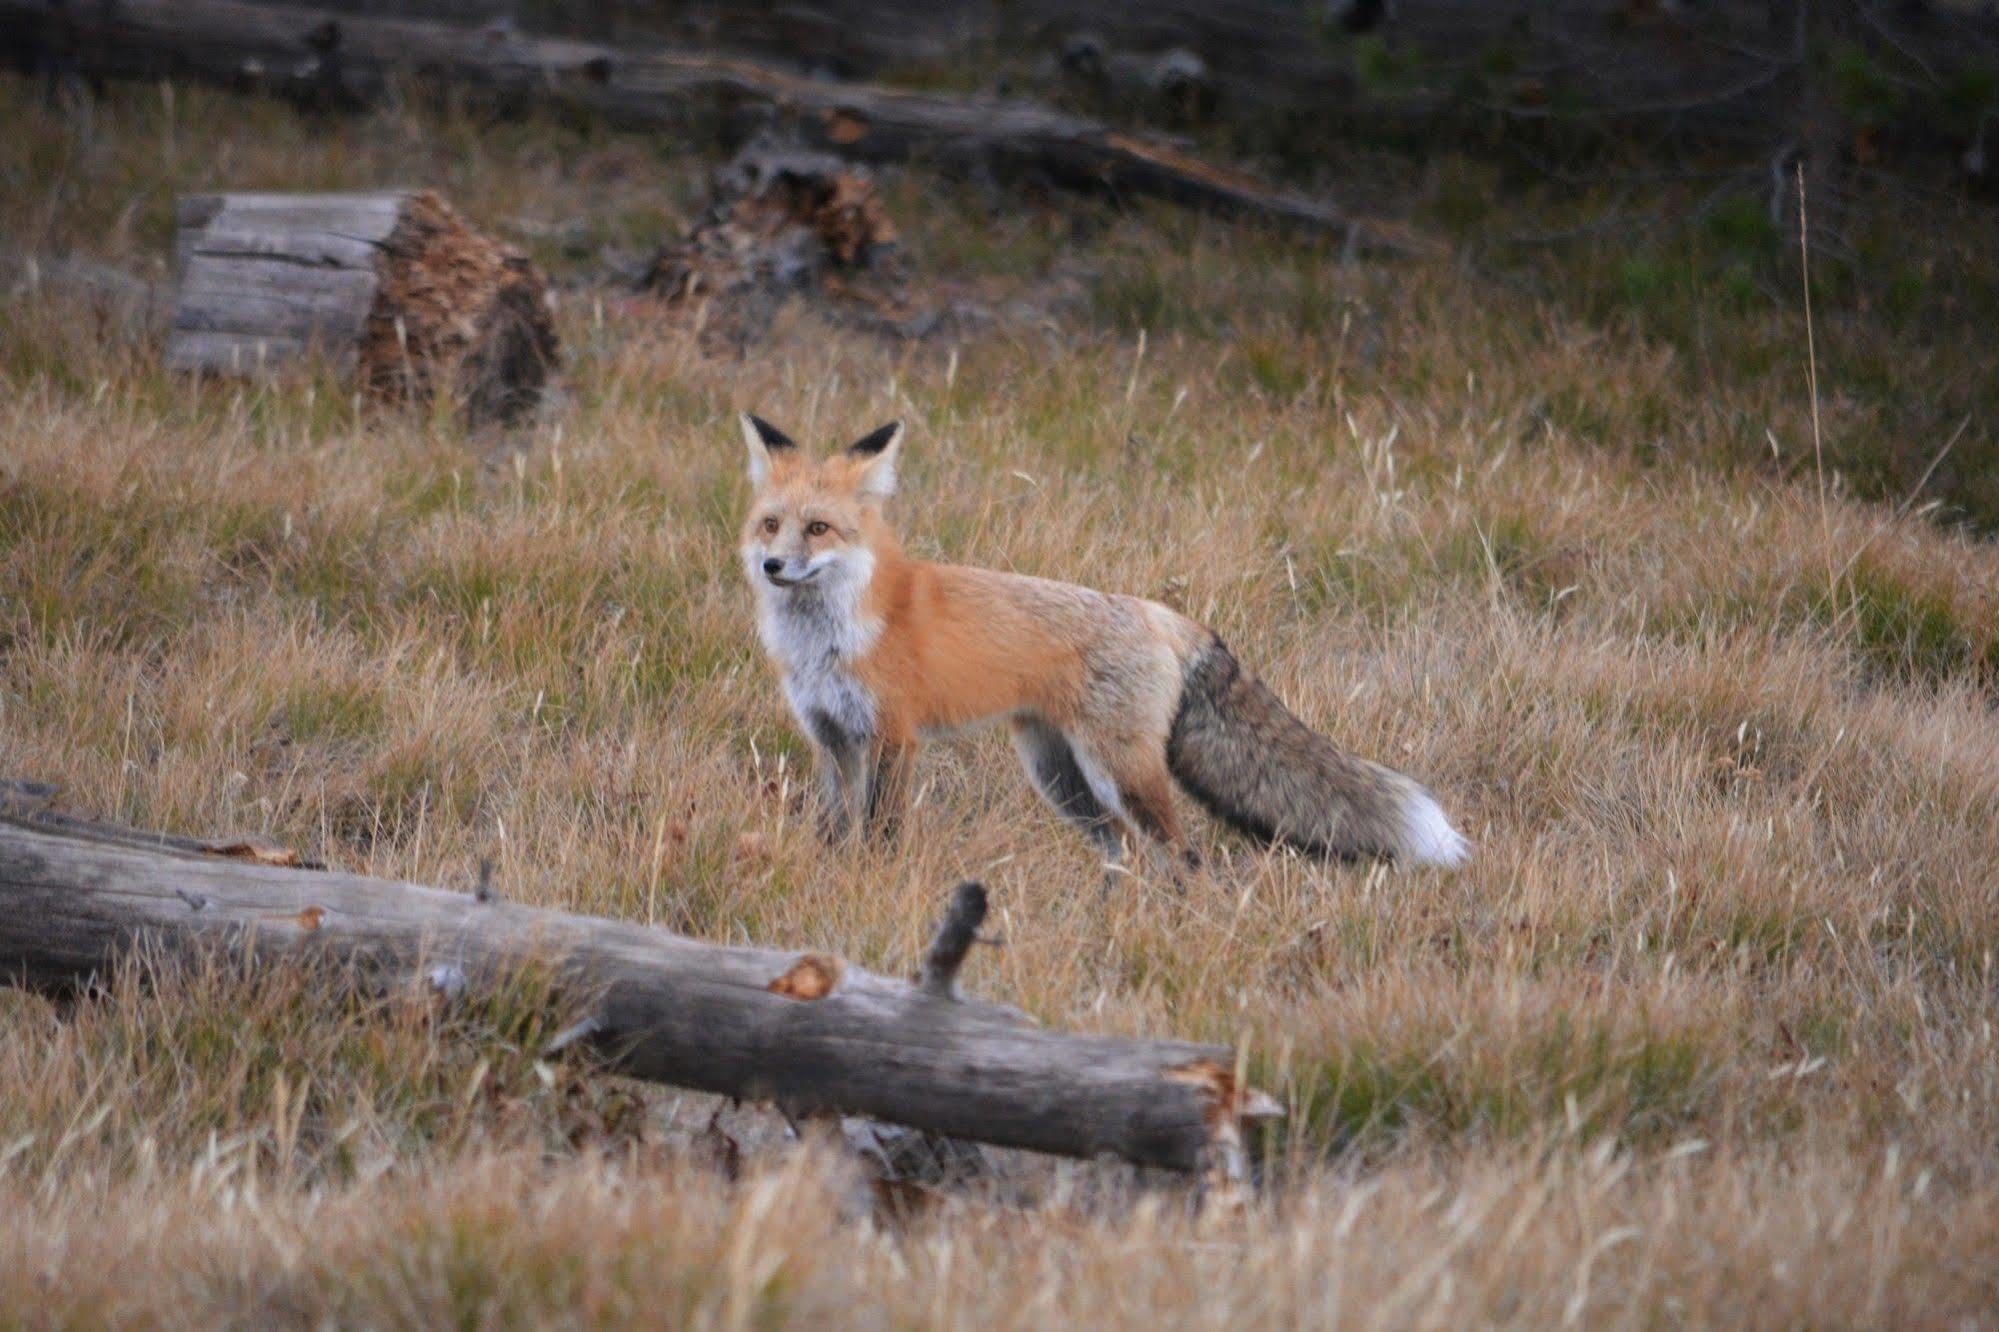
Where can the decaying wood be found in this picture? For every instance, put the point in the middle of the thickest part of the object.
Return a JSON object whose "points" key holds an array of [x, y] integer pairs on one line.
{"points": [[336, 60], [392, 286], [786, 220], [811, 1033]]}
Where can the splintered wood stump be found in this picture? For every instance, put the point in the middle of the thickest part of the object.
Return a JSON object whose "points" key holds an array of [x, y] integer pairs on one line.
{"points": [[394, 287]]}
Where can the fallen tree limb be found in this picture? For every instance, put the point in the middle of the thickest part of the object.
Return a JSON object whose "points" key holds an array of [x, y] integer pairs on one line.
{"points": [[339, 60], [809, 1032]]}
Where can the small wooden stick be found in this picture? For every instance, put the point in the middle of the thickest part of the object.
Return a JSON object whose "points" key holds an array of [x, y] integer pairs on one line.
{"points": [[954, 938]]}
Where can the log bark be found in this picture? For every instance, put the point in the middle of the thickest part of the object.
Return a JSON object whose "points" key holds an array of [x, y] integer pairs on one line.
{"points": [[809, 1032], [392, 286], [335, 60]]}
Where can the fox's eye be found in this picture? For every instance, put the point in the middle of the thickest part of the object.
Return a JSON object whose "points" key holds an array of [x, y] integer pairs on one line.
{"points": [[770, 525], [818, 529]]}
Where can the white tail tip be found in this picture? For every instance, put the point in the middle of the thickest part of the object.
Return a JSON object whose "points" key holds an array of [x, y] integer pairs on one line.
{"points": [[1429, 838]]}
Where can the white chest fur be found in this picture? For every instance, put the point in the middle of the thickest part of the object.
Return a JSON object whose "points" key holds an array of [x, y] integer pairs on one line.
{"points": [[815, 637]]}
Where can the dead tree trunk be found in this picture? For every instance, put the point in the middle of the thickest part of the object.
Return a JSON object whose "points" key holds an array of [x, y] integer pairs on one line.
{"points": [[392, 286], [809, 1032], [335, 60]]}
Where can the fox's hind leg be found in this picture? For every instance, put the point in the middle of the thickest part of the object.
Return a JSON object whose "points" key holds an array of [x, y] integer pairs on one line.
{"points": [[1145, 796], [1051, 765]]}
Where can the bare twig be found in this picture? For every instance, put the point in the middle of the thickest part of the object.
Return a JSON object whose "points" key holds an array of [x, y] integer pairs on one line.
{"points": [[1902, 48]]}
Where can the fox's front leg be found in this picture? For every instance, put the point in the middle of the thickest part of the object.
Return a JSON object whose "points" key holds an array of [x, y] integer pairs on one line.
{"points": [[845, 773], [890, 769], [863, 784]]}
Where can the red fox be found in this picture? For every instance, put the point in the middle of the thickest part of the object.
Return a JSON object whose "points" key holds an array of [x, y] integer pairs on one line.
{"points": [[1109, 697]]}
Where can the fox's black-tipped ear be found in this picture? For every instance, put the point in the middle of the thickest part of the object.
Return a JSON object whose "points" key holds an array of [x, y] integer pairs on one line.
{"points": [[763, 439], [766, 433], [878, 449], [868, 445]]}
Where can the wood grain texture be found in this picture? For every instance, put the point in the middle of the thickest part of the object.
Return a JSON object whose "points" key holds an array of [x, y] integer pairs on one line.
{"points": [[74, 896], [264, 278]]}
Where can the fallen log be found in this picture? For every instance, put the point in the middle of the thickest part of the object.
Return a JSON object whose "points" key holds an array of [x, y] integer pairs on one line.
{"points": [[335, 60], [1717, 73], [393, 286], [809, 1032]]}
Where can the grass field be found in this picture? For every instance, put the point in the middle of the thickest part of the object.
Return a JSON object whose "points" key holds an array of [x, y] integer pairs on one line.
{"points": [[1703, 1035]]}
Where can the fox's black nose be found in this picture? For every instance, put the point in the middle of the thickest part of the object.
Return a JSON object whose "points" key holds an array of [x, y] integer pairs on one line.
{"points": [[772, 566]]}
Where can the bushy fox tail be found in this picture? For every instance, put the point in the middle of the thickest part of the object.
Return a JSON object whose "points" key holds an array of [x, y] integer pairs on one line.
{"points": [[1238, 750]]}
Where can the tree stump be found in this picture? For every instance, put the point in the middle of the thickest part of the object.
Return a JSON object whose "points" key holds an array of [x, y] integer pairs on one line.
{"points": [[785, 220], [393, 287]]}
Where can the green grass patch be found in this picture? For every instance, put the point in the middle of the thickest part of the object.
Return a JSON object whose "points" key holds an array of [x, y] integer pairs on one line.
{"points": [[332, 711], [1572, 1073], [1907, 633]]}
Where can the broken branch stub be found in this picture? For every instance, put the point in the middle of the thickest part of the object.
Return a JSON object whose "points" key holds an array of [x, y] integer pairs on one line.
{"points": [[808, 1032], [1230, 1104], [956, 934]]}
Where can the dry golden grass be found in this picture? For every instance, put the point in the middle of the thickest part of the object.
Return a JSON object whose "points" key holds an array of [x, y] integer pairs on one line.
{"points": [[1704, 1034]]}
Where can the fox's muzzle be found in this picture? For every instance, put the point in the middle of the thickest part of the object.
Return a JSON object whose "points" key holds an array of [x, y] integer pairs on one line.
{"points": [[774, 571]]}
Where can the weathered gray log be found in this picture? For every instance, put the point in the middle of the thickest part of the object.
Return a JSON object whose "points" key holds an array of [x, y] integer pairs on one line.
{"points": [[390, 286], [262, 276], [336, 59], [808, 1032]]}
